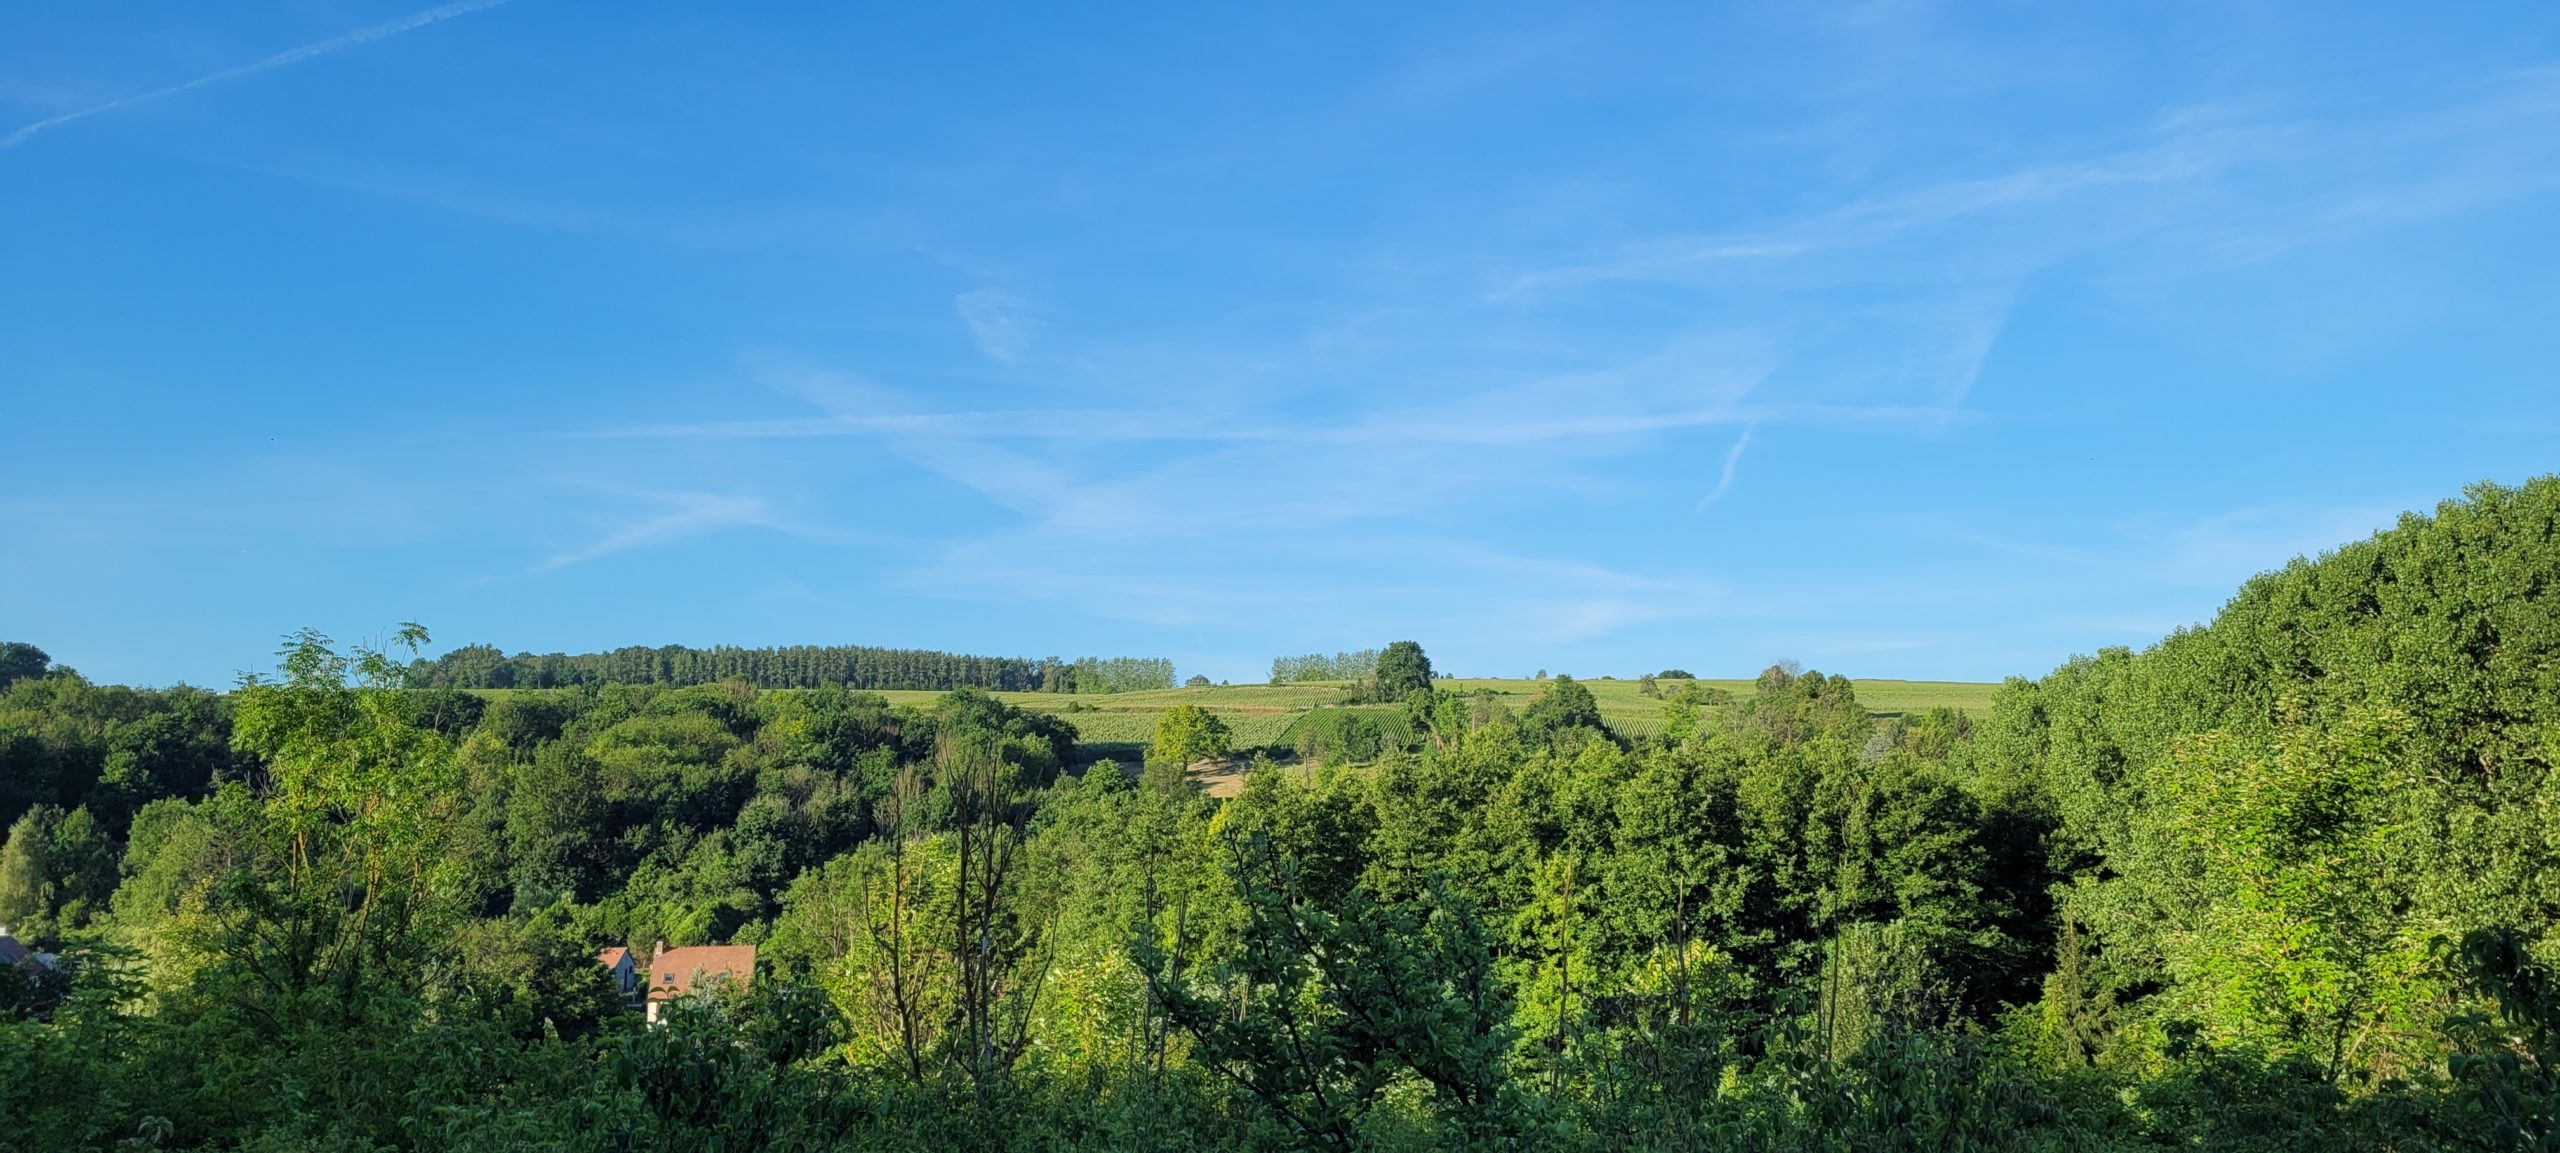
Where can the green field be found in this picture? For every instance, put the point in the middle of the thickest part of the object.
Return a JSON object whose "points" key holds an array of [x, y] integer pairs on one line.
{"points": [[1259, 714], [1626, 708], [1255, 714]]}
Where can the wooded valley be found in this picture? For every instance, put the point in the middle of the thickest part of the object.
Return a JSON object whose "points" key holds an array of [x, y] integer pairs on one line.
{"points": [[2283, 881]]}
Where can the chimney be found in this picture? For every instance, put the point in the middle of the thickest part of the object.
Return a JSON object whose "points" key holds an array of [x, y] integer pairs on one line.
{"points": [[660, 951]]}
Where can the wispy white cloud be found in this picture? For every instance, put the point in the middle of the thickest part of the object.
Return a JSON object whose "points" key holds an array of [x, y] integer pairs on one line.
{"points": [[279, 60], [1732, 460], [2186, 155], [1356, 584], [1202, 515], [2213, 183], [681, 515], [1654, 394], [1211, 506], [1371, 467], [1966, 341], [1173, 426]]}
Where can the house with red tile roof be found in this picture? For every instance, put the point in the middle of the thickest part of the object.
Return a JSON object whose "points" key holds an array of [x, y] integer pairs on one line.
{"points": [[674, 973]]}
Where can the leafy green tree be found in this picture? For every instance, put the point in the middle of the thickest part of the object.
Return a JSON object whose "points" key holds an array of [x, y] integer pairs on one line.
{"points": [[1354, 735], [1564, 705], [1402, 671], [555, 804], [2366, 730], [57, 871], [20, 660], [1186, 735], [1322, 1009], [339, 887], [29, 877], [179, 748], [869, 927], [2508, 1053], [533, 976], [2287, 881], [1684, 711]]}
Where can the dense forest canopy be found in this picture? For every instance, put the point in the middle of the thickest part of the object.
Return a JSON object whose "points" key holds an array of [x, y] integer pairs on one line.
{"points": [[2282, 881], [790, 667]]}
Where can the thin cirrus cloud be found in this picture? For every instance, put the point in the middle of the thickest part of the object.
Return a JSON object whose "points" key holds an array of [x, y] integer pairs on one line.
{"points": [[679, 516], [1283, 527], [1732, 461], [1267, 513], [2212, 186], [1576, 406], [1664, 376], [1355, 584], [1879, 311], [1172, 426], [1874, 221], [354, 39]]}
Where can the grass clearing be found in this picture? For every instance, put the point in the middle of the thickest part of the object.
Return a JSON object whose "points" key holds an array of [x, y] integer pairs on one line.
{"points": [[1259, 716], [1625, 707]]}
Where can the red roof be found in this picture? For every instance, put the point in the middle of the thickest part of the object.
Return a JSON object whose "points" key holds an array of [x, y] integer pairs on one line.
{"points": [[680, 971], [612, 958]]}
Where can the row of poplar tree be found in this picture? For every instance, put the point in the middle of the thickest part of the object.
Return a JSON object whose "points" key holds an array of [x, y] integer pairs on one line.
{"points": [[788, 667]]}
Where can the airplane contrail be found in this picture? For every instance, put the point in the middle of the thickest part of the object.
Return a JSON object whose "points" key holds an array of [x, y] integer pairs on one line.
{"points": [[279, 60]]}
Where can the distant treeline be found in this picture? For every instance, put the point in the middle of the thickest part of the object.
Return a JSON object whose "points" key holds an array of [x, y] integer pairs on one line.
{"points": [[1351, 666], [1106, 675], [790, 667]]}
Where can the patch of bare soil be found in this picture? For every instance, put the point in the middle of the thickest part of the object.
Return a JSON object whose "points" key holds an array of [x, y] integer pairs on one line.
{"points": [[1220, 778]]}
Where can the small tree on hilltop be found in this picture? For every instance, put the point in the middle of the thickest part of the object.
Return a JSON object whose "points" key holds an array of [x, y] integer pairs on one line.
{"points": [[1402, 670], [1563, 705]]}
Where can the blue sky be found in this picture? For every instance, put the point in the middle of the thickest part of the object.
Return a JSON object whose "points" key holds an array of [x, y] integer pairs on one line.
{"points": [[1899, 339]]}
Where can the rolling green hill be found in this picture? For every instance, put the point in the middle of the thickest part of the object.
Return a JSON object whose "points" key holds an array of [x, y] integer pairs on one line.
{"points": [[1259, 714]]}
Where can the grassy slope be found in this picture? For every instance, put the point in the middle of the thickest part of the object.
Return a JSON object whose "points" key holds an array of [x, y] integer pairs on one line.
{"points": [[1256, 714], [1626, 708], [1259, 714]]}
